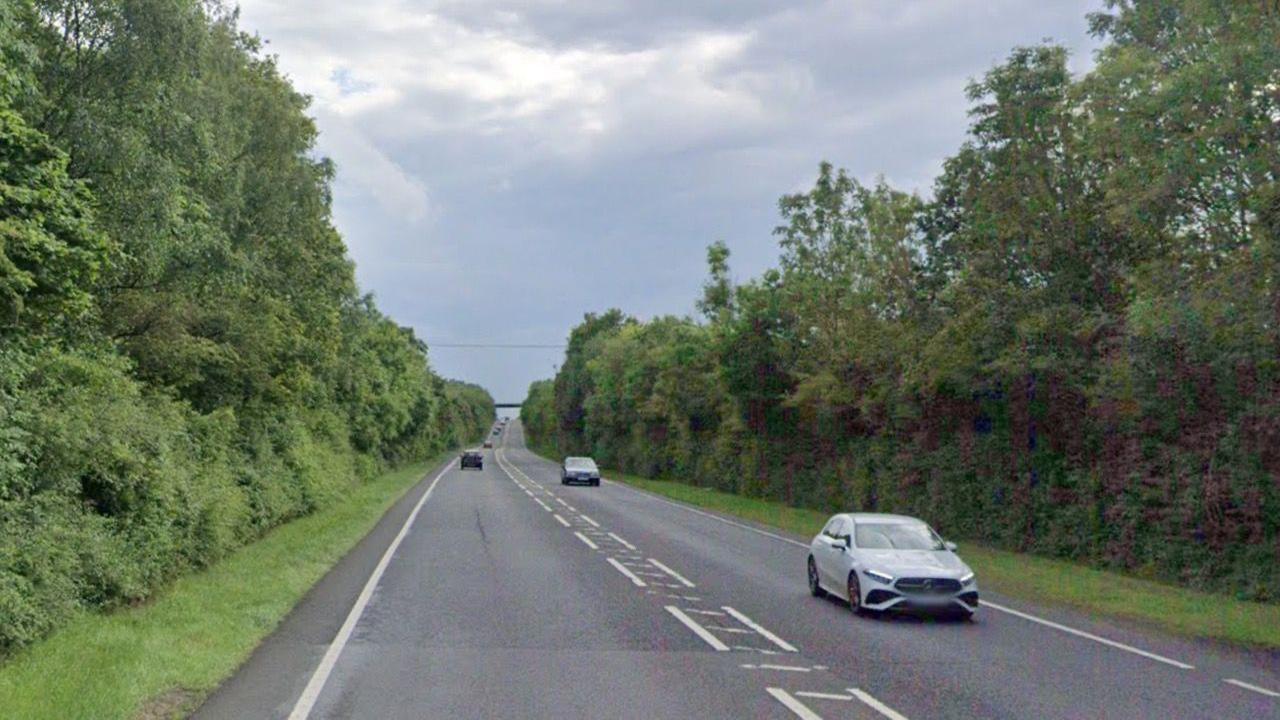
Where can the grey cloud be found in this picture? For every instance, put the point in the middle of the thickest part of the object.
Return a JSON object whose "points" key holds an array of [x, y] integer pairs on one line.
{"points": [[506, 166]]}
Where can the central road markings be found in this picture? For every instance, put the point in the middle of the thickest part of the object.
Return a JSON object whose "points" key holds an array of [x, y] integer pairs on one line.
{"points": [[544, 505], [756, 626], [1088, 636], [622, 542], [697, 629], [1255, 688], [786, 668], [714, 613], [587, 540], [561, 520], [593, 523], [821, 695], [630, 575], [311, 692], [801, 710], [878, 706], [562, 502], [729, 629], [683, 580]]}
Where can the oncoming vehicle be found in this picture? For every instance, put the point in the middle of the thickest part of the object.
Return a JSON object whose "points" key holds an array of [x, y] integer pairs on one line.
{"points": [[488, 444], [472, 458], [579, 469], [882, 562]]}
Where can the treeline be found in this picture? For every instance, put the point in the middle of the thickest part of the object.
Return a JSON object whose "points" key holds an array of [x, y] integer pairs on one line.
{"points": [[1072, 347], [185, 359]]}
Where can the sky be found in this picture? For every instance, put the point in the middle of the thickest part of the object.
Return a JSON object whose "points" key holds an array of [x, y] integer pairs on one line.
{"points": [[506, 166]]}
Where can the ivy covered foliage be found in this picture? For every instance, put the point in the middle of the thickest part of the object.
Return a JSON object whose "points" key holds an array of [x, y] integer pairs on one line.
{"points": [[1071, 348], [185, 359]]}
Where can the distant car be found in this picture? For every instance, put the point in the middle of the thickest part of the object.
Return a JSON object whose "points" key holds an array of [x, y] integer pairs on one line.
{"points": [[472, 458], [579, 470], [881, 562], [488, 444]]}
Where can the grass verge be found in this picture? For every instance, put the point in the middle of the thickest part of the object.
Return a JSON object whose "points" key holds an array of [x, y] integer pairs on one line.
{"points": [[162, 659], [1052, 582]]}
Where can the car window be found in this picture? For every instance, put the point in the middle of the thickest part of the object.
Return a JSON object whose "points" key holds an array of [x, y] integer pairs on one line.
{"points": [[830, 529], [841, 528], [897, 536]]}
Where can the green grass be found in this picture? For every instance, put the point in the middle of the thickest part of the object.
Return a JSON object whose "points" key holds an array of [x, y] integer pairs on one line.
{"points": [[1043, 580], [162, 659]]}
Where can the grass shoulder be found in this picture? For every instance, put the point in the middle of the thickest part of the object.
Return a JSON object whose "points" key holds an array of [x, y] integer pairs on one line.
{"points": [[1052, 582], [162, 659]]}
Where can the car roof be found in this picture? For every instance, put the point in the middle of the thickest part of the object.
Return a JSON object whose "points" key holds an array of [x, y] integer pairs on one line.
{"points": [[884, 518]]}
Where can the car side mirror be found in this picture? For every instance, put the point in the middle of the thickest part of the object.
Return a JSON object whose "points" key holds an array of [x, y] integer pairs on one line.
{"points": [[845, 542], [950, 546]]}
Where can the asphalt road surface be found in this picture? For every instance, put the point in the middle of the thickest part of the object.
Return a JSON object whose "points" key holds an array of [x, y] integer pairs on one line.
{"points": [[502, 594]]}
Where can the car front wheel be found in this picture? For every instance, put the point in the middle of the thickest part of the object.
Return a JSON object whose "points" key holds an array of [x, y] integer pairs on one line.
{"points": [[815, 587], [855, 594]]}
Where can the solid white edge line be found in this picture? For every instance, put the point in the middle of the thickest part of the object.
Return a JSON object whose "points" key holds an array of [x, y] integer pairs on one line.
{"points": [[311, 693], [672, 573], [586, 540], [622, 542], [630, 575], [878, 706], [1254, 688], [801, 710], [697, 629], [561, 520], [713, 516], [1088, 636], [593, 522], [756, 626]]}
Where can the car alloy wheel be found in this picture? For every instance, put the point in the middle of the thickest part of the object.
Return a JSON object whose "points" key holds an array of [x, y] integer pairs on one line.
{"points": [[855, 594], [814, 586]]}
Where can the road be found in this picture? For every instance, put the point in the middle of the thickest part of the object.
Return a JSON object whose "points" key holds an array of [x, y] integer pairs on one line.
{"points": [[510, 596]]}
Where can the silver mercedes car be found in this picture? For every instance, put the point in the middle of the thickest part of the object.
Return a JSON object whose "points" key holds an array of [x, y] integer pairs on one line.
{"points": [[881, 562]]}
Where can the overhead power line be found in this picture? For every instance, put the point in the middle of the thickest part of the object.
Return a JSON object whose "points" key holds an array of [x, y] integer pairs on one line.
{"points": [[501, 346]]}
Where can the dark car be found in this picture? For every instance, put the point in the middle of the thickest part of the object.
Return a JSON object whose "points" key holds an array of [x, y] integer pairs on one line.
{"points": [[472, 458], [579, 470]]}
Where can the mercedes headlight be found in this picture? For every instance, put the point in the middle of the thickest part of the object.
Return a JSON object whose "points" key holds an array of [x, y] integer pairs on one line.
{"points": [[878, 577]]}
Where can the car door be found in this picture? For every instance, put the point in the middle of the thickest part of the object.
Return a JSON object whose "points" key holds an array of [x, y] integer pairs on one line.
{"points": [[832, 560]]}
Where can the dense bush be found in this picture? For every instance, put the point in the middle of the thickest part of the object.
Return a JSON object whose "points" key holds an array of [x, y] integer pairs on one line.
{"points": [[185, 360], [1071, 348]]}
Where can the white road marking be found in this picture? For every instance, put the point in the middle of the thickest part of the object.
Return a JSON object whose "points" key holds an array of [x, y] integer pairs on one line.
{"points": [[311, 692], [728, 629], [697, 629], [561, 520], [714, 613], [878, 706], [762, 651], [544, 505], [756, 626], [562, 502], [821, 695], [646, 574], [683, 580], [1088, 636], [622, 542], [630, 575], [1255, 688], [765, 666], [801, 710], [593, 523], [587, 540]]}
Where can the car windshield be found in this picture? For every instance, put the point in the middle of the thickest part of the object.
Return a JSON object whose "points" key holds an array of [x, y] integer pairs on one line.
{"points": [[578, 463], [897, 536]]}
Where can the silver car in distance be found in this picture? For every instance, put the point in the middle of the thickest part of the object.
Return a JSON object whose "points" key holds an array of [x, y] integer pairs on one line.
{"points": [[579, 470], [884, 562]]}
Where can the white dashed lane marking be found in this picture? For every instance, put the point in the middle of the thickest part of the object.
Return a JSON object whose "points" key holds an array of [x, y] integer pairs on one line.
{"points": [[587, 540], [561, 520], [683, 580], [798, 708], [757, 627], [630, 575], [1254, 688]]}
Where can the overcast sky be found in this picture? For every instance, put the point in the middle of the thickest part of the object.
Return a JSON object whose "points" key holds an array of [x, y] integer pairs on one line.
{"points": [[505, 166]]}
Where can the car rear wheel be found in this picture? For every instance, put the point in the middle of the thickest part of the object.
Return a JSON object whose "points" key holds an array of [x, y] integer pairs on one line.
{"points": [[815, 587], [855, 594]]}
